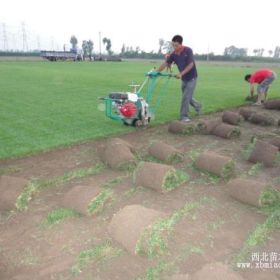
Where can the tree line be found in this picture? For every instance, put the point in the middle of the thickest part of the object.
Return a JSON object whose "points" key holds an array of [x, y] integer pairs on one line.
{"points": [[231, 53]]}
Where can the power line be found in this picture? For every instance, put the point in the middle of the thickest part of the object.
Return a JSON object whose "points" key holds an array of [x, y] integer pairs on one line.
{"points": [[24, 37], [38, 42], [4, 36], [100, 43]]}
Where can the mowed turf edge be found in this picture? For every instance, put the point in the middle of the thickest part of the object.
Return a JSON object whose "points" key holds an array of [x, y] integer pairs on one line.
{"points": [[47, 105]]}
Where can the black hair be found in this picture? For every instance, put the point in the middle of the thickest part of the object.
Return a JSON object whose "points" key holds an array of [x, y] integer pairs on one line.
{"points": [[178, 39], [247, 77]]}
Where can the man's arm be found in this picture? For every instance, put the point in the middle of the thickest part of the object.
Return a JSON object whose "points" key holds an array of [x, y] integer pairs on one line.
{"points": [[251, 90], [162, 66], [185, 71]]}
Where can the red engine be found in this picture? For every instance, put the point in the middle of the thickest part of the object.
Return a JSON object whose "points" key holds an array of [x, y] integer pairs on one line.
{"points": [[128, 110]]}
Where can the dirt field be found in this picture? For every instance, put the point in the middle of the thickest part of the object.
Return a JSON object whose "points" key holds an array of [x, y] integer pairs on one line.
{"points": [[171, 234]]}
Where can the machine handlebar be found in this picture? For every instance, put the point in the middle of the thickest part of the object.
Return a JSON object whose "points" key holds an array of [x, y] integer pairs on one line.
{"points": [[155, 74]]}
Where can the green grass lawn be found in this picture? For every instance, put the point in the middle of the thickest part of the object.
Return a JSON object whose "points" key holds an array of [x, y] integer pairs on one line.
{"points": [[46, 104]]}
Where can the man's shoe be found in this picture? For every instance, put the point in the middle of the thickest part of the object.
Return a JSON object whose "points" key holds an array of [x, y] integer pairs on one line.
{"points": [[185, 120], [257, 104], [199, 111]]}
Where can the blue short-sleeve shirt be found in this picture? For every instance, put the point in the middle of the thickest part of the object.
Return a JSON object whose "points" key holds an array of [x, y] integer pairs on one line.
{"points": [[182, 59]]}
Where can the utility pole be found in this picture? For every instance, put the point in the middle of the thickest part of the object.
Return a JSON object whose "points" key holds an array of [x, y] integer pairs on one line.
{"points": [[13, 42], [24, 37], [52, 43], [38, 43], [208, 53], [5, 40], [100, 44]]}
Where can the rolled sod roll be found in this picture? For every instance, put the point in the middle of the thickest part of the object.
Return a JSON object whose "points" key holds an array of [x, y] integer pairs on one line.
{"points": [[261, 119], [119, 141], [216, 164], [82, 198], [129, 225], [275, 141], [246, 113], [263, 152], [178, 127], [117, 154], [231, 118], [10, 188], [226, 131], [160, 177], [165, 152], [207, 126], [253, 192], [272, 104]]}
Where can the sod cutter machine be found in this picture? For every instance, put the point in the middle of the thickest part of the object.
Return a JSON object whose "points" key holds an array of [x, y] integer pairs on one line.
{"points": [[131, 107]]}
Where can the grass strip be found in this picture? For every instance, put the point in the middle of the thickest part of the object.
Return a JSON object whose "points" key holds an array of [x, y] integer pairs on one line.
{"points": [[36, 185], [99, 254], [97, 204], [58, 215]]}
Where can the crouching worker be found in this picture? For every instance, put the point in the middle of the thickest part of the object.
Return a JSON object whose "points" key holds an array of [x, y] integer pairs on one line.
{"points": [[264, 78]]}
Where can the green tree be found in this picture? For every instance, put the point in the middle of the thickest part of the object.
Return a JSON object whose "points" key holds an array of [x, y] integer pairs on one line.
{"points": [[261, 51], [233, 51], [255, 51], [90, 48], [161, 44], [276, 52], [74, 42], [108, 44], [85, 48], [123, 49]]}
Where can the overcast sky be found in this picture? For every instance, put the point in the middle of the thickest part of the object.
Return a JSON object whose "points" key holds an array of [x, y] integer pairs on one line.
{"points": [[205, 25]]}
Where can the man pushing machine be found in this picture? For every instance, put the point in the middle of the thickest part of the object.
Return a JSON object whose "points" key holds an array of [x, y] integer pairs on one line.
{"points": [[264, 78]]}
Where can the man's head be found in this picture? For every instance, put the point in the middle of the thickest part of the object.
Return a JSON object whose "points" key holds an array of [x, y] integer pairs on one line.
{"points": [[247, 78], [177, 41]]}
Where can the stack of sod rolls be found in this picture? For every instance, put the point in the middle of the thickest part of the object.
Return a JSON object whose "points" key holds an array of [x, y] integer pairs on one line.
{"points": [[207, 126], [216, 164], [160, 177], [218, 128], [261, 119], [253, 192], [262, 152], [226, 131], [246, 113], [178, 127], [166, 153], [272, 104], [231, 118], [118, 154], [131, 225]]}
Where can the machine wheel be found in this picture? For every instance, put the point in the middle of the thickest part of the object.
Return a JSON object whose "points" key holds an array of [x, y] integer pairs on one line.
{"points": [[137, 123]]}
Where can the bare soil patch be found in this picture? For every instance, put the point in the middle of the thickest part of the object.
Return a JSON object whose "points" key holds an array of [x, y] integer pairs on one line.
{"points": [[205, 225]]}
